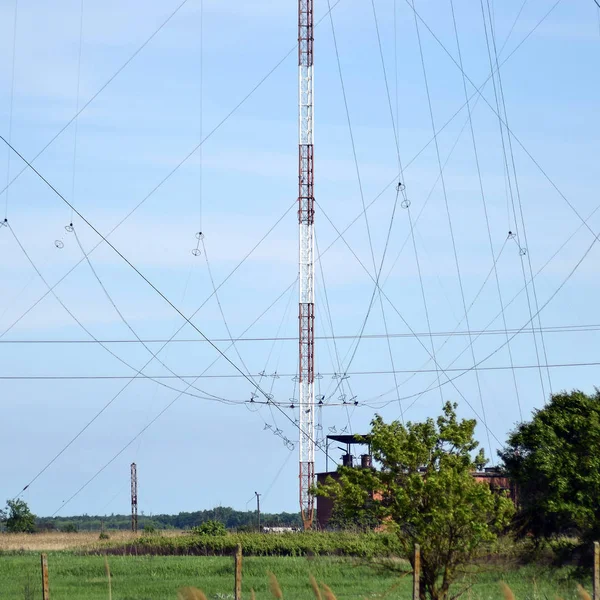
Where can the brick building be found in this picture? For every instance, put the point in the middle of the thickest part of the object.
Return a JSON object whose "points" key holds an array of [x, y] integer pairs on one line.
{"points": [[490, 476]]}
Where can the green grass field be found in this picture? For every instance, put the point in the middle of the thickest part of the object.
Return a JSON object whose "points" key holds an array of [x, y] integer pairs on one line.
{"points": [[75, 577]]}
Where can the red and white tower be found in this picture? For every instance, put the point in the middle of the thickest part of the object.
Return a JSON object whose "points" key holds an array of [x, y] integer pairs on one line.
{"points": [[306, 218]]}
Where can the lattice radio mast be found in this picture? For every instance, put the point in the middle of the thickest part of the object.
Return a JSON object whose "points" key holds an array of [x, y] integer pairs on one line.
{"points": [[306, 217], [134, 499]]}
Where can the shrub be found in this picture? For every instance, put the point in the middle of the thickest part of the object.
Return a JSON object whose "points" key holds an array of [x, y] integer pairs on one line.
{"points": [[212, 528], [367, 545]]}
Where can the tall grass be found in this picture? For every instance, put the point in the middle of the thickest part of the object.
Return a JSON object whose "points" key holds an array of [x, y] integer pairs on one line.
{"points": [[329, 595], [506, 591], [315, 587], [582, 593], [274, 586], [57, 540], [189, 593]]}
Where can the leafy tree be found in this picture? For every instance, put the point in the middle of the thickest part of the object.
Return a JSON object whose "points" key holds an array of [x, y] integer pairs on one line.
{"points": [[426, 493], [555, 461], [210, 528], [18, 518], [362, 518]]}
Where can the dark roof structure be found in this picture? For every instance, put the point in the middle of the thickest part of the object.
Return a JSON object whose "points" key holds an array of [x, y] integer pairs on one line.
{"points": [[351, 439]]}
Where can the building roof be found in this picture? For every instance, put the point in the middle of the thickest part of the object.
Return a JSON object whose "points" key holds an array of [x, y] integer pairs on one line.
{"points": [[351, 438]]}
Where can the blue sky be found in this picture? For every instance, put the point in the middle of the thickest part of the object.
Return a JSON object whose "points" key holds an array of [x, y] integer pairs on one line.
{"points": [[202, 452]]}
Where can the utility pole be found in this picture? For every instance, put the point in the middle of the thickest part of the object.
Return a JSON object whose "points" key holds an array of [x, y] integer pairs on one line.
{"points": [[258, 508], [306, 218], [134, 499]]}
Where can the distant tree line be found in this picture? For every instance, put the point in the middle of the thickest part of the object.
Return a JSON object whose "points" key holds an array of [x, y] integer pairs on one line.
{"points": [[231, 518]]}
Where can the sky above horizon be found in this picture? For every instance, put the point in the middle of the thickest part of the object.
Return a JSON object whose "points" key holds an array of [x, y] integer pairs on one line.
{"points": [[226, 72]]}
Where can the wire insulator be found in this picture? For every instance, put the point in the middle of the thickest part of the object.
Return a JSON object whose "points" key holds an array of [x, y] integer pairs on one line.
{"points": [[59, 244]]}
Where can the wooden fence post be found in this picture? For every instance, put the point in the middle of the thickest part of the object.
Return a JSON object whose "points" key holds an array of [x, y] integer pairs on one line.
{"points": [[238, 573], [596, 571], [45, 582], [417, 572]]}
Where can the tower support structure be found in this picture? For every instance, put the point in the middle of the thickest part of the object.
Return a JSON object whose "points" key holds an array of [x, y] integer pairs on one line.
{"points": [[134, 498], [306, 217]]}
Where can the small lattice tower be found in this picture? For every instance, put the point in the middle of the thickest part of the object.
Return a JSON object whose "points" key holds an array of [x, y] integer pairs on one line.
{"points": [[134, 498]]}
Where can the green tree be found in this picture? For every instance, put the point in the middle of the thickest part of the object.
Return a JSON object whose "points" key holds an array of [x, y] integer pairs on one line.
{"points": [[18, 518], [555, 461], [359, 520], [425, 491], [210, 528]]}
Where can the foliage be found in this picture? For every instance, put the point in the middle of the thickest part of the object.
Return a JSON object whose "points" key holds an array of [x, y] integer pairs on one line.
{"points": [[104, 536], [368, 545], [149, 529], [210, 528], [426, 494], [359, 520], [17, 517], [69, 528], [555, 461]]}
